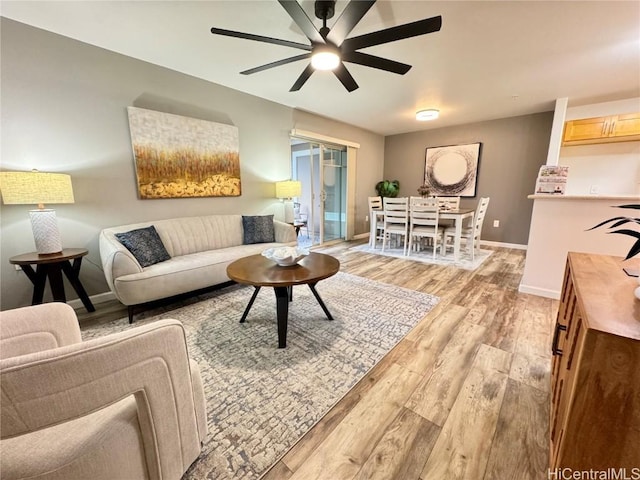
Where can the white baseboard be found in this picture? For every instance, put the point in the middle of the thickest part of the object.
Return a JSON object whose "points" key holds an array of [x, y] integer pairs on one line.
{"points": [[95, 299], [540, 292], [489, 243]]}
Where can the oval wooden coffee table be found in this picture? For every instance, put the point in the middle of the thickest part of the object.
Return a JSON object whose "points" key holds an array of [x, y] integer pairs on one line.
{"points": [[260, 272]]}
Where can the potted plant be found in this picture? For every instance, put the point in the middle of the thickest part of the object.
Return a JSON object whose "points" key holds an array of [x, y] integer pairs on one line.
{"points": [[387, 188], [616, 222]]}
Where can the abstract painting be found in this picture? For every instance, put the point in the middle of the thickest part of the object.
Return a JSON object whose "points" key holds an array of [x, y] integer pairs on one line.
{"points": [[452, 170], [180, 157]]}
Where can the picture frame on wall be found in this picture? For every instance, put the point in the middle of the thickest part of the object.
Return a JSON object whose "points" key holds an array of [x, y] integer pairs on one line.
{"points": [[452, 170], [183, 157]]}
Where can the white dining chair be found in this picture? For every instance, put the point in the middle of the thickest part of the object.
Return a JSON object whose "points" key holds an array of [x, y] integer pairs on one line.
{"points": [[396, 220], [376, 219], [423, 216], [448, 203], [471, 234]]}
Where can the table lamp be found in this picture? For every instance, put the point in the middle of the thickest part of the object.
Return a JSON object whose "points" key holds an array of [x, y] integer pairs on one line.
{"points": [[37, 188], [286, 191]]}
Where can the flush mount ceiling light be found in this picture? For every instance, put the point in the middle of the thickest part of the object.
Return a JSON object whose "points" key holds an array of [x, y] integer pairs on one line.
{"points": [[424, 115]]}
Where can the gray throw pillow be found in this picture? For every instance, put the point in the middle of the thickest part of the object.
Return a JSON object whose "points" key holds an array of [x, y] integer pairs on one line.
{"points": [[258, 229], [145, 244]]}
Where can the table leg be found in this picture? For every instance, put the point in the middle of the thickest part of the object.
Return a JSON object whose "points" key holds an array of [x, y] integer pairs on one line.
{"points": [[457, 239], [372, 229], [253, 299], [312, 286], [39, 278], [282, 306], [55, 282], [72, 274]]}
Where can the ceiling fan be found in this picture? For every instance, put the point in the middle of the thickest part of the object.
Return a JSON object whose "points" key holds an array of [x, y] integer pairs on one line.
{"points": [[329, 48]]}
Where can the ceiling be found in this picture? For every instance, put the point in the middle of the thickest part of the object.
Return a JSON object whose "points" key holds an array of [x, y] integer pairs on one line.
{"points": [[491, 59]]}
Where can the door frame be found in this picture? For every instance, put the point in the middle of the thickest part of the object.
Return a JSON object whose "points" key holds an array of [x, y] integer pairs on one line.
{"points": [[352, 151]]}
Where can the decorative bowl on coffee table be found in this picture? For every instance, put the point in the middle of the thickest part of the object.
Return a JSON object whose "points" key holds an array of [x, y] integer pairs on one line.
{"points": [[286, 256]]}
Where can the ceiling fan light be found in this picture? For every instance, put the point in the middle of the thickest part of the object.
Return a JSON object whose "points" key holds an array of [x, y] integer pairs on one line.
{"points": [[425, 115], [325, 60]]}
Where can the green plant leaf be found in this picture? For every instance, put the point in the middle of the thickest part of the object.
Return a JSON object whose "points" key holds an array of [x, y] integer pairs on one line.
{"points": [[619, 221], [635, 249], [605, 222]]}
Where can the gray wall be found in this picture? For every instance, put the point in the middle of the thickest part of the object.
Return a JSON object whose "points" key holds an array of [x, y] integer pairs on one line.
{"points": [[512, 151], [64, 110]]}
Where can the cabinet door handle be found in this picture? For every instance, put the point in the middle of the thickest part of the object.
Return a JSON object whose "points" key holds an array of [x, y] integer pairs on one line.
{"points": [[556, 337], [612, 128], [603, 132]]}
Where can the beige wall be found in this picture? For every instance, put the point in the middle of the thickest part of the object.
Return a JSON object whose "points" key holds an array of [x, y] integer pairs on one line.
{"points": [[605, 168], [512, 151], [64, 110]]}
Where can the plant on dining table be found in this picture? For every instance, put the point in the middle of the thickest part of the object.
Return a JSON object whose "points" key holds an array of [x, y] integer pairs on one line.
{"points": [[424, 190]]}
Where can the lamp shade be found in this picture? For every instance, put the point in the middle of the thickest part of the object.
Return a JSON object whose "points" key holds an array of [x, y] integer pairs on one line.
{"points": [[35, 188], [288, 189]]}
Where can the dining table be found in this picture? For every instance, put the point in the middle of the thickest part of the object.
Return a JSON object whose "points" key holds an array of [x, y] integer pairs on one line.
{"points": [[458, 215]]}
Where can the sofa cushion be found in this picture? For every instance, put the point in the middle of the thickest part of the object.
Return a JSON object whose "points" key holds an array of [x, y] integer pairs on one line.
{"points": [[145, 244], [258, 229]]}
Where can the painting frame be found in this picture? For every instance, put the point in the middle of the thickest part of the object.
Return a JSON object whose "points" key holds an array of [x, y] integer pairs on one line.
{"points": [[183, 157], [452, 170]]}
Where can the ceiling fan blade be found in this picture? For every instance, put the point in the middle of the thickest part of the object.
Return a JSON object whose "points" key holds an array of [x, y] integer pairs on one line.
{"points": [[351, 15], [299, 16], [276, 64], [345, 77], [259, 38], [304, 76], [376, 62], [408, 30]]}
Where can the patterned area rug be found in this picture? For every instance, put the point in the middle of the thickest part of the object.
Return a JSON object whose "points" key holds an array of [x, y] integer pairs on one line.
{"points": [[426, 256], [261, 399]]}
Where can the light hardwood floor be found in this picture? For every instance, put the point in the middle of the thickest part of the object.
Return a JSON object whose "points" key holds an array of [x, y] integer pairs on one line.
{"points": [[463, 396]]}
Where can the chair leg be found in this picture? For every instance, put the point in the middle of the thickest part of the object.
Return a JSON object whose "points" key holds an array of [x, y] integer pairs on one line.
{"points": [[130, 313]]}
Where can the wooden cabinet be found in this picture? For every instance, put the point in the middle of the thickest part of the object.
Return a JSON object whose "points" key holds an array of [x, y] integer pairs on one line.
{"points": [[614, 128], [595, 373]]}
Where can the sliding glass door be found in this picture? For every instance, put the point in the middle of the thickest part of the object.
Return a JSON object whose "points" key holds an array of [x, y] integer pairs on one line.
{"points": [[334, 186], [322, 171]]}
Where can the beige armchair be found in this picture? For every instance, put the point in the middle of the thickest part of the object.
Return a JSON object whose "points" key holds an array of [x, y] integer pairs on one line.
{"points": [[124, 406]]}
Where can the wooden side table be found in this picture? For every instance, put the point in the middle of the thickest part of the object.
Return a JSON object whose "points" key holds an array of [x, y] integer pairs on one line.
{"points": [[51, 266]]}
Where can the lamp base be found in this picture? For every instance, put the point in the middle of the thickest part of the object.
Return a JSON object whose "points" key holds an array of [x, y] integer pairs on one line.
{"points": [[45, 231]]}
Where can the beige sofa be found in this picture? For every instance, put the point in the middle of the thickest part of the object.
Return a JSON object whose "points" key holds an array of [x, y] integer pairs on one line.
{"points": [[128, 405], [200, 249]]}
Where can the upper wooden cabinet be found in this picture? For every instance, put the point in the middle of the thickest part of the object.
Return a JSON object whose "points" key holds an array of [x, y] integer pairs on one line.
{"points": [[614, 128]]}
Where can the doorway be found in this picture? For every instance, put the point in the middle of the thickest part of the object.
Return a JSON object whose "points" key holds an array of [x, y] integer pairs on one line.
{"points": [[322, 205]]}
